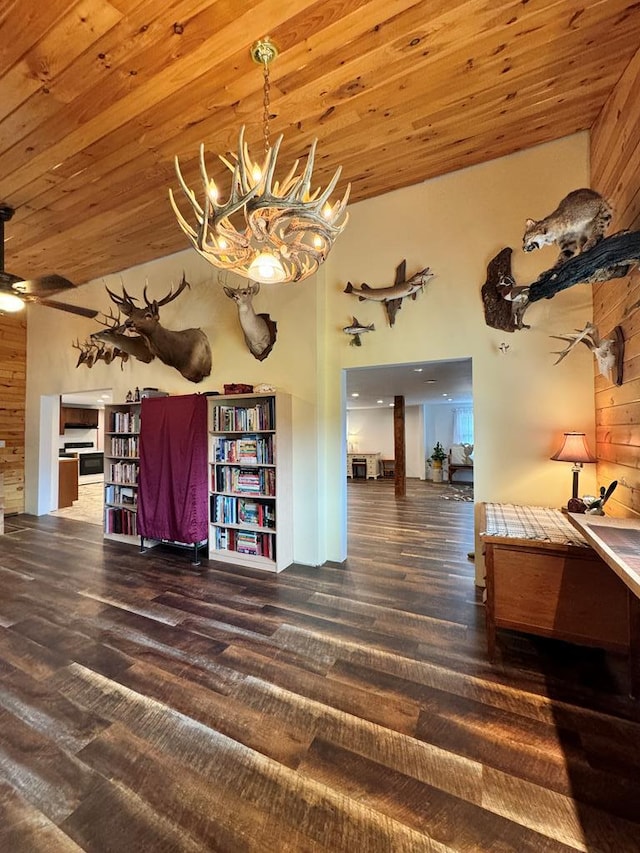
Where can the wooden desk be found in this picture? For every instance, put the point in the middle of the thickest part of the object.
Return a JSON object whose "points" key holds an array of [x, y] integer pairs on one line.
{"points": [[617, 542], [560, 589], [371, 460]]}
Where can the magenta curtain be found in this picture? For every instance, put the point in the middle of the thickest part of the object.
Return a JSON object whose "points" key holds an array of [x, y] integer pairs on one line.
{"points": [[172, 487]]}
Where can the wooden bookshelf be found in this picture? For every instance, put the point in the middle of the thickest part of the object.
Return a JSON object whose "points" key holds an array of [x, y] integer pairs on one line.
{"points": [[250, 480], [121, 470]]}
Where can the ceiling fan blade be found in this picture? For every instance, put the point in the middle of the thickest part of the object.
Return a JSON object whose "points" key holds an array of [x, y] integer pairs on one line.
{"points": [[7, 280], [64, 306], [44, 284]]}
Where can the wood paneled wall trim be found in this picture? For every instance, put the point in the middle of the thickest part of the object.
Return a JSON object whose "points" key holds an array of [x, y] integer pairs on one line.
{"points": [[615, 172], [13, 367]]}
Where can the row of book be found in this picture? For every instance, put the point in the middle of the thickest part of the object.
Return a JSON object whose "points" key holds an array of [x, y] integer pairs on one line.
{"points": [[239, 418], [124, 422], [246, 542], [121, 495], [256, 481], [128, 446], [121, 521], [122, 472], [229, 510], [248, 450]]}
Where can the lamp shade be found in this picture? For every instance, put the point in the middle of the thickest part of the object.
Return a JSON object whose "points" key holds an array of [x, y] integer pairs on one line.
{"points": [[10, 303], [574, 449]]}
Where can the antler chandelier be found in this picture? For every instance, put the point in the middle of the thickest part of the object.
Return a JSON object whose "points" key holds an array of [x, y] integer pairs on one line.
{"points": [[266, 231]]}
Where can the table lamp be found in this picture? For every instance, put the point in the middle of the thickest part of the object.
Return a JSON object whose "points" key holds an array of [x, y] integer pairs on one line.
{"points": [[574, 449]]}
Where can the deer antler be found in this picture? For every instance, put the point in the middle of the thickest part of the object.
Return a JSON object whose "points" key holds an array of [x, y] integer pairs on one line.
{"points": [[170, 296], [85, 349], [125, 303], [588, 336], [111, 321]]}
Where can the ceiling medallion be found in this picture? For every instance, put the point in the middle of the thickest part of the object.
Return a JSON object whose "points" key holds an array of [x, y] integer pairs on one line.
{"points": [[267, 231]]}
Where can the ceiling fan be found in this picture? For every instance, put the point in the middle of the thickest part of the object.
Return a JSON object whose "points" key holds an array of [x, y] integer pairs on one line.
{"points": [[14, 289]]}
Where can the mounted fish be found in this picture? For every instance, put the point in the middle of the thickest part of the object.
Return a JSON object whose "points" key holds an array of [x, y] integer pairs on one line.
{"points": [[355, 330], [393, 295]]}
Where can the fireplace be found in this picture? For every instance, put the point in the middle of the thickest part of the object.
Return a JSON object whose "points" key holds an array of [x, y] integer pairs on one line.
{"points": [[91, 463]]}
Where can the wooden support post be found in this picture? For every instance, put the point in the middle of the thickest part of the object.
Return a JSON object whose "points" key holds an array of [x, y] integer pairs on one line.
{"points": [[399, 447]]}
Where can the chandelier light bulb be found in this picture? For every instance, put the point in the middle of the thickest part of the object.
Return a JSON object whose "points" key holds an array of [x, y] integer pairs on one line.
{"points": [[256, 173], [266, 268], [213, 191]]}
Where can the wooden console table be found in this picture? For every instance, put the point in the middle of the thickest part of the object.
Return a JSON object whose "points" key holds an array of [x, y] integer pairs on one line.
{"points": [[549, 581], [617, 542]]}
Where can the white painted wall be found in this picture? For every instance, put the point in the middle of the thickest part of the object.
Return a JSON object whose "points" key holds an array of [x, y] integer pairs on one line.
{"points": [[371, 431], [455, 224]]}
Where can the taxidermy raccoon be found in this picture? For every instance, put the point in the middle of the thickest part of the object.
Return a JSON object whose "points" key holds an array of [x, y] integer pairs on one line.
{"points": [[577, 224]]}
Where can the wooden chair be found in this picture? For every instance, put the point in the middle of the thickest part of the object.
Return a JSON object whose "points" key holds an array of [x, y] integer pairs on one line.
{"points": [[388, 467]]}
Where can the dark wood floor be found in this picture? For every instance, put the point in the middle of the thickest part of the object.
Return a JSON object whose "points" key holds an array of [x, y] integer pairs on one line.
{"points": [[148, 707]]}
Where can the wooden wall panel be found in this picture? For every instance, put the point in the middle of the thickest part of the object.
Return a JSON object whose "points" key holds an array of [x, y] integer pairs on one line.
{"points": [[13, 355], [615, 172]]}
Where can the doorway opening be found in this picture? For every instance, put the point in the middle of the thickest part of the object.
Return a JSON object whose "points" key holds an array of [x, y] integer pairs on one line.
{"points": [[438, 398], [78, 455]]}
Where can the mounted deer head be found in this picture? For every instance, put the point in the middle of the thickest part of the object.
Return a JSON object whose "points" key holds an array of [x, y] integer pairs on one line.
{"points": [[259, 329], [187, 350], [117, 335], [87, 352], [608, 352]]}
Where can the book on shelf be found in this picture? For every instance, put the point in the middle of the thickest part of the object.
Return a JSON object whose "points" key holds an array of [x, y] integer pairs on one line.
{"points": [[258, 481], [120, 521], [249, 450], [260, 416], [124, 422], [125, 473]]}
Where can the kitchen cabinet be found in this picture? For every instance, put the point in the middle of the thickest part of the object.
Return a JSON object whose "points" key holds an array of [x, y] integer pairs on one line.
{"points": [[75, 417], [67, 482]]}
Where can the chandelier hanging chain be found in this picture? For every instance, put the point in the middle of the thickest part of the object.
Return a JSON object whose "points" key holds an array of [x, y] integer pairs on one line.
{"points": [[266, 105]]}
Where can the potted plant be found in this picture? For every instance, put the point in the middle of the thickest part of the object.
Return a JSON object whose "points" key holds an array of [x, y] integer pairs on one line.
{"points": [[438, 456]]}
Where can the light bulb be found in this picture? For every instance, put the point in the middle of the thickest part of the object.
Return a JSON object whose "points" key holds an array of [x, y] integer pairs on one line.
{"points": [[327, 210], [256, 173], [265, 267], [318, 242], [213, 191], [10, 303]]}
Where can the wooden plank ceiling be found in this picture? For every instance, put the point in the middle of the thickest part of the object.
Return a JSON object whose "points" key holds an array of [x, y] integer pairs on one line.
{"points": [[97, 96]]}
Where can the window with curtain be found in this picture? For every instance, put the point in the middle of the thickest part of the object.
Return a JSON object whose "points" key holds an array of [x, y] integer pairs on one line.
{"points": [[463, 425]]}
